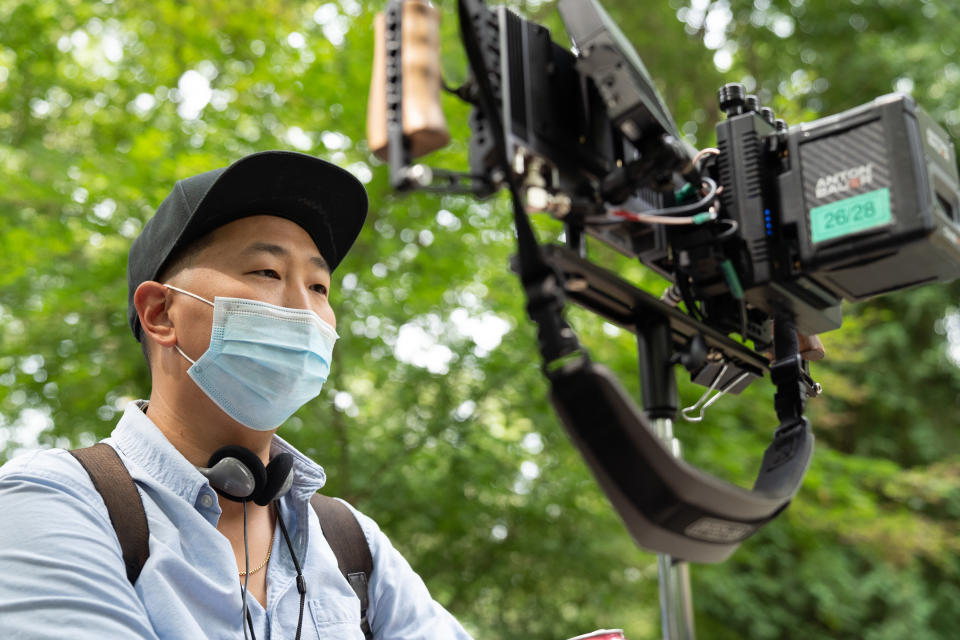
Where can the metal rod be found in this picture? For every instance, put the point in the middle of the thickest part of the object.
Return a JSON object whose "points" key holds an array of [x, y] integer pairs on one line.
{"points": [[658, 386], [676, 603]]}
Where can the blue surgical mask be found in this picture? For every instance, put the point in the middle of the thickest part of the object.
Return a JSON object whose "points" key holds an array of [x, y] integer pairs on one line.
{"points": [[264, 362]]}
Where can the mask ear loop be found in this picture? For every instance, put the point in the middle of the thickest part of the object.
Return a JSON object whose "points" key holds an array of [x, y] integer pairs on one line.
{"points": [[189, 359], [187, 293], [192, 295]]}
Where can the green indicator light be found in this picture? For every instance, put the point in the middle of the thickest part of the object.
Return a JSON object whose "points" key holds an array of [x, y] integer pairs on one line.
{"points": [[730, 275], [850, 215]]}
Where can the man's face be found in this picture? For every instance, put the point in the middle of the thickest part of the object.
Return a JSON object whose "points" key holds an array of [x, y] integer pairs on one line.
{"points": [[264, 258]]}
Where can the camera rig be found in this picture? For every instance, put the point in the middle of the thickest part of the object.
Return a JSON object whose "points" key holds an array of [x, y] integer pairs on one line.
{"points": [[763, 236]]}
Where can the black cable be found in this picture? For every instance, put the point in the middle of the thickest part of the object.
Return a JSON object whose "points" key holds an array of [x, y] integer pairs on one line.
{"points": [[693, 207], [246, 575], [301, 583], [743, 318], [464, 91], [669, 212], [250, 624], [683, 282], [448, 88]]}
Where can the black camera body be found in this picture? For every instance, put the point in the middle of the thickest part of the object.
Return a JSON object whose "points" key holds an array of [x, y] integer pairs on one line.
{"points": [[846, 207], [850, 206], [763, 236]]}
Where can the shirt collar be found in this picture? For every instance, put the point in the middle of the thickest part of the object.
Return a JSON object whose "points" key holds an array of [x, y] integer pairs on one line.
{"points": [[142, 442], [308, 476]]}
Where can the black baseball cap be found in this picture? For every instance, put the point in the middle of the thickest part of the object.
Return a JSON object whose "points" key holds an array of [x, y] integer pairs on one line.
{"points": [[326, 200]]}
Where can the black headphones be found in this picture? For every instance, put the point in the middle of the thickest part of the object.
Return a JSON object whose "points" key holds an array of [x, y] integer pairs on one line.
{"points": [[237, 474]]}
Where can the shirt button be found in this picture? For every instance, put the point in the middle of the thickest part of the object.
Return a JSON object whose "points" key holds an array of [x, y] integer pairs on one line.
{"points": [[206, 500]]}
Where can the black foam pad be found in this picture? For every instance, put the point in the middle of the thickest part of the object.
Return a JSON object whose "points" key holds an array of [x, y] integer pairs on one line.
{"points": [[246, 457], [279, 468], [668, 505]]}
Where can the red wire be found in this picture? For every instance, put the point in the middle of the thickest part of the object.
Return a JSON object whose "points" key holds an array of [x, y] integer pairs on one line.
{"points": [[626, 215]]}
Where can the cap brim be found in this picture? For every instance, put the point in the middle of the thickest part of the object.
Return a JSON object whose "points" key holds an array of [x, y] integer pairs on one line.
{"points": [[326, 200]]}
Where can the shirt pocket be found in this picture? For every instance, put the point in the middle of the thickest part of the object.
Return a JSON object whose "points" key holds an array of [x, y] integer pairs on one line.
{"points": [[336, 618]]}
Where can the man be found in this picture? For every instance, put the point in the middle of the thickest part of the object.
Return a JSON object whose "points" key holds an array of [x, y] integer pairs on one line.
{"points": [[229, 288]]}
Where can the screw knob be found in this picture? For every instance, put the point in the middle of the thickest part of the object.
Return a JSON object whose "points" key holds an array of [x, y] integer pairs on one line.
{"points": [[751, 103], [767, 114], [730, 97]]}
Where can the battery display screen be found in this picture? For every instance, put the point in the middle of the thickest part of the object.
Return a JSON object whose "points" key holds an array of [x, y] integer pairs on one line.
{"points": [[850, 215]]}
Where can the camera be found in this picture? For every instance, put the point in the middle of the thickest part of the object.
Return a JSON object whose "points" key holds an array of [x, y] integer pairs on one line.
{"points": [[850, 206], [763, 237]]}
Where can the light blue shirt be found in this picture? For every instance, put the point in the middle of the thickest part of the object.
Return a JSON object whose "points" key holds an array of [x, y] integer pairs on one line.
{"points": [[62, 572]]}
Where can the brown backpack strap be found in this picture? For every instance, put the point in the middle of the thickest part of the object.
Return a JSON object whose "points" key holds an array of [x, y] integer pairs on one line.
{"points": [[349, 545], [112, 480]]}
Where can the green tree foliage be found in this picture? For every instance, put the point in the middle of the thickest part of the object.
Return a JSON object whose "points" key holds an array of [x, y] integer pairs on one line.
{"points": [[430, 425]]}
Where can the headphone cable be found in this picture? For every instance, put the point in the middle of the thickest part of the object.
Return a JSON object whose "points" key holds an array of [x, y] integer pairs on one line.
{"points": [[301, 583], [245, 617]]}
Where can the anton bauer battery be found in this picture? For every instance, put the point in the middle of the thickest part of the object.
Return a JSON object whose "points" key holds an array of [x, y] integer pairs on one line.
{"points": [[875, 197], [846, 207]]}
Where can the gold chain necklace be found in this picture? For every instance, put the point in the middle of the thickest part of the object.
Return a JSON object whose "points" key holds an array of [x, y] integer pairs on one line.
{"points": [[265, 560], [262, 564]]}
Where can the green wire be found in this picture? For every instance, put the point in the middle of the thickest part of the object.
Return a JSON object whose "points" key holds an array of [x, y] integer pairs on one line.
{"points": [[730, 275], [683, 193]]}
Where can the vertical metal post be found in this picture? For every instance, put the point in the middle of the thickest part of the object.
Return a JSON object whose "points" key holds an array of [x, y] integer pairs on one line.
{"points": [[676, 603], [659, 394]]}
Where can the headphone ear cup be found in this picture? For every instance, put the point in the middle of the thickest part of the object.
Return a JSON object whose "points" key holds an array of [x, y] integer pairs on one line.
{"points": [[279, 477], [246, 458]]}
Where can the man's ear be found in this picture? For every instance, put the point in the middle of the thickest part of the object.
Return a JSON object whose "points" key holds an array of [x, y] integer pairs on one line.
{"points": [[150, 300]]}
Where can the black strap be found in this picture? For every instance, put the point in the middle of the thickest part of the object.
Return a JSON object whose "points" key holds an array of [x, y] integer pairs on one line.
{"points": [[542, 283], [349, 545], [113, 482], [124, 505]]}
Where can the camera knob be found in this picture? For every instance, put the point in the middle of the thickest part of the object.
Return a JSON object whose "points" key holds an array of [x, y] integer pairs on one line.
{"points": [[751, 103], [731, 97], [767, 114]]}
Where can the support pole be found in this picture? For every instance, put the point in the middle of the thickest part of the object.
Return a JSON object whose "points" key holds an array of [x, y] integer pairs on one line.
{"points": [[676, 603], [659, 395]]}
